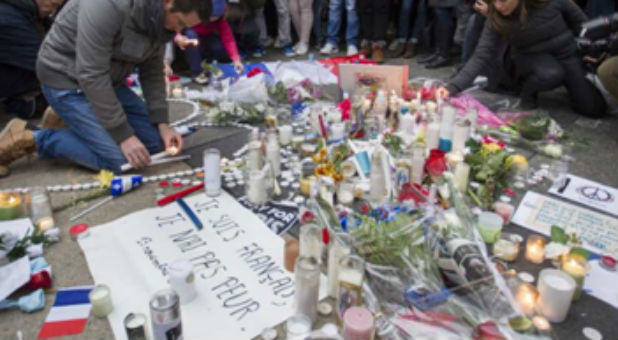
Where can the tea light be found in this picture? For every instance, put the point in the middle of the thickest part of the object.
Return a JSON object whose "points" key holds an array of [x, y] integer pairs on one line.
{"points": [[101, 300], [177, 92], [556, 289], [285, 134], [298, 327], [541, 324], [526, 296], [358, 324], [10, 205], [577, 267], [453, 158], [535, 249], [45, 223]]}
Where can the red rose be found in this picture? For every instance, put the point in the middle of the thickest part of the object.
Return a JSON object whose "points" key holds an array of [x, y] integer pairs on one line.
{"points": [[436, 163]]}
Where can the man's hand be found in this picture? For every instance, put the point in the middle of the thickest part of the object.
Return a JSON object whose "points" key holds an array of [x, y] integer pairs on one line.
{"points": [[135, 152], [481, 7], [184, 42], [170, 137]]}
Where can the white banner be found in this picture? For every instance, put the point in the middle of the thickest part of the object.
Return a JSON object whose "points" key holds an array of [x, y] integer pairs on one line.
{"points": [[242, 284]]}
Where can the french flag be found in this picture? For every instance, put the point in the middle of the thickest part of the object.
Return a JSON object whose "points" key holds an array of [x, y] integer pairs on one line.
{"points": [[69, 314]]}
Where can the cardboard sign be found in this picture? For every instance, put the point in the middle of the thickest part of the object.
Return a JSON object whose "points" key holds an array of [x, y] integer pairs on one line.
{"points": [[242, 284]]}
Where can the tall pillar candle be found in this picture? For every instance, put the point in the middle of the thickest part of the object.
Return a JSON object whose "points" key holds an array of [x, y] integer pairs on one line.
{"points": [[272, 153], [212, 172], [340, 247], [256, 187], [432, 135], [182, 280], [311, 241], [556, 289], [460, 135], [285, 134], [350, 283], [461, 175], [307, 286], [446, 128], [418, 163]]}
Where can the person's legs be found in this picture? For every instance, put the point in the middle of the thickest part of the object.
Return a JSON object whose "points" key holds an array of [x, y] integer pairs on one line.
{"points": [[444, 37], [334, 21], [213, 49], [16, 87], [294, 6], [419, 21], [306, 17], [351, 33], [404, 19], [381, 13], [139, 119], [85, 142], [463, 11], [317, 21], [469, 42], [283, 22], [193, 53], [538, 72], [585, 98], [365, 15], [260, 22]]}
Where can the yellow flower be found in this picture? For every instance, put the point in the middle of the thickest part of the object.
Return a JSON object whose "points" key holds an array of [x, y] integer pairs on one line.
{"points": [[105, 178], [517, 160], [491, 147]]}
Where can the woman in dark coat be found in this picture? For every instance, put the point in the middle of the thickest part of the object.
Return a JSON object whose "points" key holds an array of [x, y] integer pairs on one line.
{"points": [[541, 35]]}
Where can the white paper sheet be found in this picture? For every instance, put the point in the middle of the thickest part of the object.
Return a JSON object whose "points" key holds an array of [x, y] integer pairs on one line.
{"points": [[20, 227], [601, 283], [598, 232], [589, 193], [13, 276], [131, 254]]}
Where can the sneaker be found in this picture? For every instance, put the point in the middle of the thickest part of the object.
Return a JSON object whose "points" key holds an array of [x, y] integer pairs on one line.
{"points": [[395, 45], [301, 49], [410, 50], [258, 52], [352, 50], [269, 42], [288, 51], [329, 49], [365, 48], [201, 79], [278, 43]]}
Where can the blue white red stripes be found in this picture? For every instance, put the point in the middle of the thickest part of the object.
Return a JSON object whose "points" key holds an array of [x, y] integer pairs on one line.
{"points": [[69, 313]]}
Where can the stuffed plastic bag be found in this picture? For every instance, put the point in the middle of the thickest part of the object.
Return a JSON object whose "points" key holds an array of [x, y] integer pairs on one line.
{"points": [[249, 90]]}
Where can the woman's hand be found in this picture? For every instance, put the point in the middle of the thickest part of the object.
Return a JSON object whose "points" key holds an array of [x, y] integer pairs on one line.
{"points": [[481, 7], [442, 92]]}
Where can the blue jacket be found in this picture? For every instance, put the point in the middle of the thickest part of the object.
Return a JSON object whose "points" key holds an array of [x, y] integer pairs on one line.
{"points": [[21, 34]]}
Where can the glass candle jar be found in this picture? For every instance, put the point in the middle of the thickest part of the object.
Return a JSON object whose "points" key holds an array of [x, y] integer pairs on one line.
{"points": [[577, 267], [40, 209], [535, 249], [10, 205], [311, 241], [307, 286], [349, 283], [506, 247], [345, 192], [340, 247], [212, 172]]}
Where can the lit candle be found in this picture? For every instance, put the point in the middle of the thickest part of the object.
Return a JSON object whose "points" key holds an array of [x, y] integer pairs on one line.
{"points": [[541, 324], [526, 296], [41, 209], [101, 300], [285, 134], [358, 324], [460, 177], [177, 92], [432, 135], [45, 223], [535, 249], [182, 280], [556, 289], [577, 267], [10, 205], [172, 150], [298, 327], [311, 241]]}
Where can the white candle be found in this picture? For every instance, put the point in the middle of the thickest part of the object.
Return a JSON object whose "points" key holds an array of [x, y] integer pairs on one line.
{"points": [[556, 289], [337, 131], [101, 300], [311, 241], [256, 189], [461, 175], [182, 280], [177, 92], [506, 249], [432, 135], [307, 286], [45, 223], [212, 172], [541, 324], [285, 134], [339, 248], [431, 107], [460, 135], [272, 153], [406, 124], [453, 158]]}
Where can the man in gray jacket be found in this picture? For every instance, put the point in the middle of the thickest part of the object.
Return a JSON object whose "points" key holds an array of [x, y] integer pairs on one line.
{"points": [[82, 64]]}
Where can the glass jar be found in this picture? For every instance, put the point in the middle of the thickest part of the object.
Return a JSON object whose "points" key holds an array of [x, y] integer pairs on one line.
{"points": [[212, 172], [307, 286], [349, 283], [311, 241], [40, 209]]}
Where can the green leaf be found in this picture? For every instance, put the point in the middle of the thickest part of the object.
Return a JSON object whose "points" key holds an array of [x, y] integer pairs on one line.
{"points": [[580, 252], [558, 235]]}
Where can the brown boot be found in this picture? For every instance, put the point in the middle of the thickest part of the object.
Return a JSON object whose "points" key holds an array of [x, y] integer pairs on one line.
{"points": [[399, 50], [377, 55], [4, 171], [410, 50], [15, 142], [51, 120]]}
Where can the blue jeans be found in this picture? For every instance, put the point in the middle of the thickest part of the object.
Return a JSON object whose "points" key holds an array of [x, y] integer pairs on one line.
{"points": [[334, 21], [419, 20], [86, 142], [317, 21]]}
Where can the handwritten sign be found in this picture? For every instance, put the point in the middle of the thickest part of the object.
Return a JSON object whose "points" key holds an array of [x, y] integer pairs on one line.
{"points": [[238, 264], [587, 192], [598, 232]]}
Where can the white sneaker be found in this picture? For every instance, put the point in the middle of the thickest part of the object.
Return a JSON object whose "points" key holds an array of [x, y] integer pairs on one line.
{"points": [[301, 49], [352, 50], [329, 49], [278, 43], [269, 41]]}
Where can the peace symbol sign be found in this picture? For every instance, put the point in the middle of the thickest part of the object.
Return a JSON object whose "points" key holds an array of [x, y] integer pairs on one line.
{"points": [[595, 193]]}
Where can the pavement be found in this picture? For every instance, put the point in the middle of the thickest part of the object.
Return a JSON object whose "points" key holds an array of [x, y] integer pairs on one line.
{"points": [[598, 160]]}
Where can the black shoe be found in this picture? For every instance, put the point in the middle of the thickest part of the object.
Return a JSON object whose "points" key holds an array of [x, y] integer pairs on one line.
{"points": [[425, 59], [440, 61]]}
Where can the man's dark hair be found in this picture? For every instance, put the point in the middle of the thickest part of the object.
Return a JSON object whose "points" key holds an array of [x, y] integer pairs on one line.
{"points": [[202, 7]]}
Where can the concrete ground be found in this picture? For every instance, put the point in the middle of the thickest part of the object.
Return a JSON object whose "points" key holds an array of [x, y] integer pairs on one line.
{"points": [[598, 160]]}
